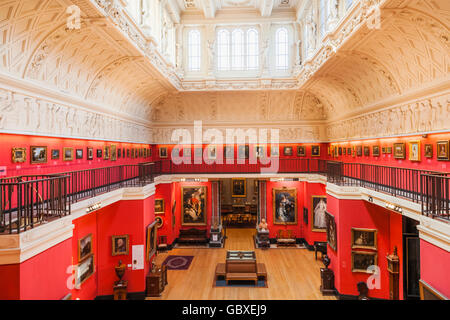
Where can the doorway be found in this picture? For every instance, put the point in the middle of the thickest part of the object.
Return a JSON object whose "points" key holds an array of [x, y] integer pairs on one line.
{"points": [[411, 254]]}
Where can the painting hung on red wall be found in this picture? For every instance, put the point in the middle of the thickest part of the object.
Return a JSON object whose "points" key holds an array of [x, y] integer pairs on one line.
{"points": [[193, 201], [90, 153], [38, 155], [315, 151], [159, 206], [399, 151], [238, 188], [151, 239], [442, 150], [331, 231], [85, 247], [19, 155], [364, 238], [301, 151], [55, 154], [361, 261], [67, 154], [120, 245], [284, 206], [414, 150], [85, 269], [319, 207]]}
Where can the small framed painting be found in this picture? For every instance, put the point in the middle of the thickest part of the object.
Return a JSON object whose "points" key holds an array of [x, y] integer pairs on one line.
{"points": [[388, 150], [301, 151], [442, 150], [113, 152], [163, 152], [361, 261], [359, 151], [106, 151], [99, 153], [366, 151], [159, 206], [349, 151], [344, 151], [414, 150], [428, 151], [38, 155], [19, 155], [119, 153], [67, 154], [275, 150], [238, 188], [55, 154], [376, 151], [243, 151], [340, 151], [79, 154], [364, 238], [85, 269], [85, 247], [212, 152], [120, 245], [315, 151], [399, 151], [229, 152], [287, 151]]}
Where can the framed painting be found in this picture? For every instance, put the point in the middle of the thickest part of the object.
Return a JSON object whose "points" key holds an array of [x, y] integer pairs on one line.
{"points": [[106, 152], [141, 152], [331, 230], [55, 154], [359, 151], [85, 269], [229, 152], [113, 152], [383, 150], [163, 152], [79, 153], [67, 154], [340, 151], [99, 153], [288, 151], [38, 155], [243, 151], [315, 151], [318, 209], [366, 151], [399, 151], [194, 204], [128, 153], [119, 153], [159, 206], [120, 245], [364, 238], [212, 152], [150, 151], [344, 151], [152, 234], [388, 150], [349, 151], [159, 222], [361, 261], [238, 188], [19, 155], [85, 247], [428, 151], [301, 151], [260, 152], [284, 202], [376, 151], [442, 150], [414, 151]]}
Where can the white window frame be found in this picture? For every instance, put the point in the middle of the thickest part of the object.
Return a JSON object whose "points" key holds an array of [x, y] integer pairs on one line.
{"points": [[194, 51]]}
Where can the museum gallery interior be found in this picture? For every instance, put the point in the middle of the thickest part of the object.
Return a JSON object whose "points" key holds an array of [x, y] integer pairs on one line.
{"points": [[224, 149]]}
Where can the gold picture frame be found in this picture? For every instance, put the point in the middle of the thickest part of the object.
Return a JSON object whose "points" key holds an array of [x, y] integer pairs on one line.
{"points": [[301, 151], [88, 266], [159, 206], [67, 154], [364, 238], [414, 151], [315, 151], [113, 152], [194, 204], [106, 151], [120, 245], [442, 150], [399, 151], [428, 150], [19, 155], [85, 247], [38, 154], [151, 241], [318, 223], [163, 152], [238, 188], [361, 262], [284, 206]]}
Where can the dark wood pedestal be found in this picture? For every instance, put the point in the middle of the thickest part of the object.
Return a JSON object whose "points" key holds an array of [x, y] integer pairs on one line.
{"points": [[327, 282], [120, 290], [156, 281]]}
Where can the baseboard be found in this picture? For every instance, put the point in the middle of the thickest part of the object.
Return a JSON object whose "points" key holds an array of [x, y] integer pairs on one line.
{"points": [[308, 246], [341, 296], [130, 296]]}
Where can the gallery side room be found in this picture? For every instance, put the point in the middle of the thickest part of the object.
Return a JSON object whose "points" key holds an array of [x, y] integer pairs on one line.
{"points": [[224, 150]]}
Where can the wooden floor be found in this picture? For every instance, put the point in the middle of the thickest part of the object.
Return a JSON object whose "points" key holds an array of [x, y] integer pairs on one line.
{"points": [[293, 274]]}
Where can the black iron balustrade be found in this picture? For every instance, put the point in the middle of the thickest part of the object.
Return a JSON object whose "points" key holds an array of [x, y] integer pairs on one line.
{"points": [[27, 201], [436, 195]]}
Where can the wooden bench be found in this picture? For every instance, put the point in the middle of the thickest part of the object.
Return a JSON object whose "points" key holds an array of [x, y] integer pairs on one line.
{"points": [[192, 236], [220, 271], [241, 271], [285, 238], [241, 277], [261, 271]]}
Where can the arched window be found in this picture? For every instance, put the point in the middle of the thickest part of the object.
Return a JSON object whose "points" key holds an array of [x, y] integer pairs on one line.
{"points": [[252, 50], [281, 49], [223, 50], [323, 17], [237, 50], [194, 50]]}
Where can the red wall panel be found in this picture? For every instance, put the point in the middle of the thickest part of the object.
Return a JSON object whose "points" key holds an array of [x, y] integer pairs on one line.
{"points": [[434, 263], [312, 189], [10, 282]]}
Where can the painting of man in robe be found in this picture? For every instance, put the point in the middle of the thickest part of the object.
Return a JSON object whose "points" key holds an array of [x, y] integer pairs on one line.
{"points": [[194, 206], [319, 207], [284, 206]]}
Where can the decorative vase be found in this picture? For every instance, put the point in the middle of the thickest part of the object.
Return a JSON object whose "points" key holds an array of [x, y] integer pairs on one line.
{"points": [[120, 270], [326, 261]]}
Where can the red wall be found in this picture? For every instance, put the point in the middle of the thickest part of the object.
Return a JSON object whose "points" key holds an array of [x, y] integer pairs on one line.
{"points": [[10, 141], [165, 191], [312, 189], [361, 214], [434, 263]]}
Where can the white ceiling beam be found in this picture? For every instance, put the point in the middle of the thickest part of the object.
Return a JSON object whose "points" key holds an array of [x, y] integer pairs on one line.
{"points": [[209, 8], [265, 7], [174, 10]]}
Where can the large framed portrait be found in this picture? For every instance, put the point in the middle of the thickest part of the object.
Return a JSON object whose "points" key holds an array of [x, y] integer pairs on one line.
{"points": [[364, 238], [376, 151], [229, 152], [90, 153], [284, 206], [159, 206], [152, 233], [361, 261], [414, 151], [79, 153], [442, 150], [318, 209], [194, 203], [85, 269], [238, 188], [113, 152], [67, 154], [54, 154], [85, 247], [243, 151], [428, 151], [19, 155], [38, 155], [315, 151], [301, 151], [120, 245], [288, 151], [163, 152], [106, 152], [399, 151], [331, 230]]}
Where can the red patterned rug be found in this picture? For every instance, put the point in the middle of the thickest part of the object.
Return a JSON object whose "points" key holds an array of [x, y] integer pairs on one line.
{"points": [[178, 262]]}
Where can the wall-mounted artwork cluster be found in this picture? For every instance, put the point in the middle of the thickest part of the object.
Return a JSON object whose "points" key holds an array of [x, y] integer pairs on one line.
{"points": [[39, 154], [85, 259], [363, 239]]}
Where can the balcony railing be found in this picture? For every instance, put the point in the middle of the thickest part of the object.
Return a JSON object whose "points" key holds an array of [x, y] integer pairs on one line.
{"points": [[27, 201]]}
